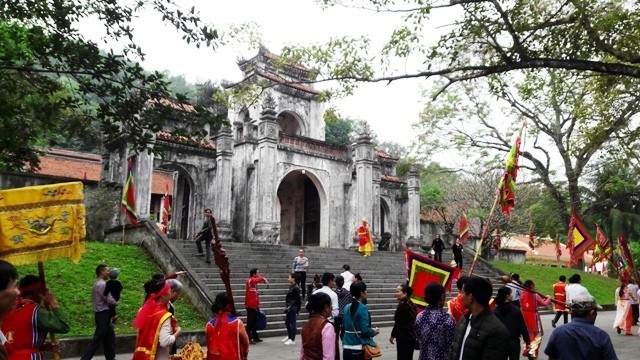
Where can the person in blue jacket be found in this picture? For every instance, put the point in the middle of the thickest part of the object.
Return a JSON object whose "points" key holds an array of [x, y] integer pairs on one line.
{"points": [[356, 323]]}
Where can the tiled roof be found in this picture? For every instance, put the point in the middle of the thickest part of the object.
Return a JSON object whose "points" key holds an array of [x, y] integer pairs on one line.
{"points": [[383, 154], [391, 178], [546, 250], [86, 166], [283, 81]]}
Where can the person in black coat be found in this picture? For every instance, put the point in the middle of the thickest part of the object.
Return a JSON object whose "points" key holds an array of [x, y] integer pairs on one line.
{"points": [[205, 235], [437, 246], [511, 317]]}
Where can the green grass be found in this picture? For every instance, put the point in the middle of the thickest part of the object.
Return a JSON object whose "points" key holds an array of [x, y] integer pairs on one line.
{"points": [[72, 283], [602, 288]]}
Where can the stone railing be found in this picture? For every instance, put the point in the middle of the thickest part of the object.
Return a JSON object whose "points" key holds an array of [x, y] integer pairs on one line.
{"points": [[313, 146]]}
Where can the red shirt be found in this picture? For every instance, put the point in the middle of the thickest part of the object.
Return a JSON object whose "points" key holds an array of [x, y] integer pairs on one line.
{"points": [[20, 328], [251, 298], [560, 295]]}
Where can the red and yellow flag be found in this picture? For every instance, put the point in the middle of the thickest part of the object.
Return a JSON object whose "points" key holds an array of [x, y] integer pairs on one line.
{"points": [[422, 270], [464, 228], [128, 202], [507, 185], [578, 237]]}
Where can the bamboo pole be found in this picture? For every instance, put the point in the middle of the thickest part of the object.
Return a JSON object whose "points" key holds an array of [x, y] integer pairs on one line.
{"points": [[484, 234]]}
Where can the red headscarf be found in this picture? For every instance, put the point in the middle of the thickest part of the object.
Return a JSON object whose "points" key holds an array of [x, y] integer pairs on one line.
{"points": [[151, 306]]}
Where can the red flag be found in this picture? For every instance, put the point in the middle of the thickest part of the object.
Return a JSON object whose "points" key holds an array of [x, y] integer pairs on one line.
{"points": [[464, 228], [579, 237], [422, 270], [128, 203], [507, 185], [628, 268], [603, 248]]}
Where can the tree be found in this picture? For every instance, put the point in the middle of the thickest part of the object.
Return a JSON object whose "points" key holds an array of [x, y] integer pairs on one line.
{"points": [[488, 37], [338, 131], [51, 76], [570, 120]]}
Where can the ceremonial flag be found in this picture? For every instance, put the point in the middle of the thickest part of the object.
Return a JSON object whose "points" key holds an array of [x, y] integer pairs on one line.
{"points": [[579, 237], [558, 250], [532, 240], [627, 265], [603, 248], [128, 203], [464, 228], [39, 223], [422, 270], [507, 185], [165, 207]]}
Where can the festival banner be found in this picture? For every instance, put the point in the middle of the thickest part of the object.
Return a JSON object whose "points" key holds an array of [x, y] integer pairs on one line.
{"points": [[603, 248], [39, 223], [422, 270], [128, 203], [627, 267], [165, 207], [507, 185], [579, 237], [464, 228]]}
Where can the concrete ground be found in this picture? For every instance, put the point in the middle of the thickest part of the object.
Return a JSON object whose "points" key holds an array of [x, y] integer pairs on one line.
{"points": [[627, 347]]}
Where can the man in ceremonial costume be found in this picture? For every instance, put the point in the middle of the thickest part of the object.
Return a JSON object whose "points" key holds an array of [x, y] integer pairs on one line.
{"points": [[560, 295], [365, 244], [529, 302], [8, 296], [157, 328], [27, 325]]}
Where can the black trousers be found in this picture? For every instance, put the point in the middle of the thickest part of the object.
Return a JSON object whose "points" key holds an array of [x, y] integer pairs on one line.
{"points": [[207, 245], [458, 262], [564, 314], [439, 256], [252, 317], [405, 349], [104, 335], [302, 280]]}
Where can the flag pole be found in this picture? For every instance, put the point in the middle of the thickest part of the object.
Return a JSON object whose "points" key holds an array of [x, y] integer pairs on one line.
{"points": [[484, 234]]}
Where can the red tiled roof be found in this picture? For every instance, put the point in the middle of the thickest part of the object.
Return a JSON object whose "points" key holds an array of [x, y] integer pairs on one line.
{"points": [[86, 166], [383, 154], [283, 81], [391, 178], [546, 250]]}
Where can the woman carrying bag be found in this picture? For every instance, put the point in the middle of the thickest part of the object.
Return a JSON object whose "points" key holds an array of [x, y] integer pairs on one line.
{"points": [[356, 323]]}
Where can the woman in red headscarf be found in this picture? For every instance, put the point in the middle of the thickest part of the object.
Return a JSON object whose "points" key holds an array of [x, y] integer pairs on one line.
{"points": [[226, 336], [157, 328], [365, 244]]}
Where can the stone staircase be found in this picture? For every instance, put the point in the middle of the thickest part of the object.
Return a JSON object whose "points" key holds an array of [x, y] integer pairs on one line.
{"points": [[382, 272]]}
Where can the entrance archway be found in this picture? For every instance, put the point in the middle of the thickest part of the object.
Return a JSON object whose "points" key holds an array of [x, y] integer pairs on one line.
{"points": [[181, 202], [300, 210]]}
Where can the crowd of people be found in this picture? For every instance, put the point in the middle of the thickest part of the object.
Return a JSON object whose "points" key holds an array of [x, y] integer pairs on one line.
{"points": [[472, 325]]}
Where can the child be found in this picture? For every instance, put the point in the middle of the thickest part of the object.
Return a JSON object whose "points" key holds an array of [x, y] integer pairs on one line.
{"points": [[113, 287], [316, 284]]}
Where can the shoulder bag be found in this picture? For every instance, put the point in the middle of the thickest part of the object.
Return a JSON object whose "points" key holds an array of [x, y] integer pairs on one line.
{"points": [[369, 351]]}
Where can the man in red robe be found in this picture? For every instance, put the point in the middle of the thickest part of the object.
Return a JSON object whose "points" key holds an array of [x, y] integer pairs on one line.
{"points": [[560, 294], [365, 244], [27, 325]]}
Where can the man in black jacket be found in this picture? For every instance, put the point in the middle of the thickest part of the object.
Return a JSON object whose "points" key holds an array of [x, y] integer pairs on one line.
{"points": [[479, 335], [205, 235]]}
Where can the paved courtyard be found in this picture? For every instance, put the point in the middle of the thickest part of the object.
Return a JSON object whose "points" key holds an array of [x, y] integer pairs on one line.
{"points": [[627, 347]]}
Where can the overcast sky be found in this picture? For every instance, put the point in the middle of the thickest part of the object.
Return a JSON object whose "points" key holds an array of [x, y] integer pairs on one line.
{"points": [[390, 109]]}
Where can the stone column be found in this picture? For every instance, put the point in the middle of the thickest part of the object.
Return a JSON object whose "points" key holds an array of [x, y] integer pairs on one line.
{"points": [[413, 211], [142, 173], [266, 228], [376, 228], [364, 178], [223, 182]]}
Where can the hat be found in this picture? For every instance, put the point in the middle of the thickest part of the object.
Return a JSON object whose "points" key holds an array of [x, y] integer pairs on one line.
{"points": [[114, 273], [584, 302]]}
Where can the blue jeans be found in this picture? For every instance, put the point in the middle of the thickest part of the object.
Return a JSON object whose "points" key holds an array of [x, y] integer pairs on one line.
{"points": [[290, 322]]}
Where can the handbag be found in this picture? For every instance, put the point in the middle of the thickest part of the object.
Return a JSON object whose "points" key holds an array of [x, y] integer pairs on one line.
{"points": [[369, 351], [261, 320]]}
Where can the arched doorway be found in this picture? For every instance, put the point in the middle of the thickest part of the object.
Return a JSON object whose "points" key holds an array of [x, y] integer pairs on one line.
{"points": [[300, 210], [181, 202]]}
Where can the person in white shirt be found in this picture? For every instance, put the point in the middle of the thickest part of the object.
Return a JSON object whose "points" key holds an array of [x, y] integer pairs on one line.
{"points": [[574, 288], [348, 277], [329, 282]]}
